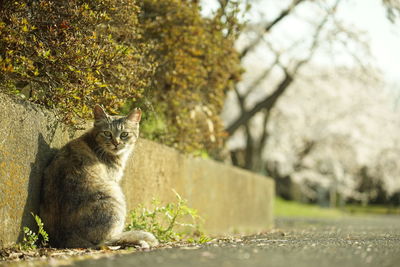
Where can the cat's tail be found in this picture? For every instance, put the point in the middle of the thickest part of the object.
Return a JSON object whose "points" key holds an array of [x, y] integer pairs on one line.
{"points": [[131, 238]]}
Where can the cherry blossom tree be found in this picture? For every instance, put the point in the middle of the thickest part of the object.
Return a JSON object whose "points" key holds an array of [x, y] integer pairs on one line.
{"points": [[311, 108], [341, 126]]}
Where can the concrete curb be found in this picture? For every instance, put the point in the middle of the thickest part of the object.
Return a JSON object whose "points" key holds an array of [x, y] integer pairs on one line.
{"points": [[228, 198]]}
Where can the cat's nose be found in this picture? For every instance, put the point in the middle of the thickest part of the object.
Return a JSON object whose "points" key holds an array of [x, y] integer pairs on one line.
{"points": [[115, 143]]}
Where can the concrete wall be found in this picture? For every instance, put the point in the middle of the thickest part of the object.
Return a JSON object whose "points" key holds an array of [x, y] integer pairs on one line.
{"points": [[229, 199]]}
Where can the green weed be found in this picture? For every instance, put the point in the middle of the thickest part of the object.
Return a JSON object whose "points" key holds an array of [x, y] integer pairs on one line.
{"points": [[172, 222], [31, 240]]}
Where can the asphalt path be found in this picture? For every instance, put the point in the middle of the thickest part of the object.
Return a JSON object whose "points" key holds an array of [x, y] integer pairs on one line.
{"points": [[355, 241]]}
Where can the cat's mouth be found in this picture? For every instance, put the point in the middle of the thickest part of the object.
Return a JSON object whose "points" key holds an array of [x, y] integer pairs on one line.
{"points": [[113, 149]]}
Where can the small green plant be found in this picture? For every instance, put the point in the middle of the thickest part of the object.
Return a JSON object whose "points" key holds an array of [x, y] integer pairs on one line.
{"points": [[31, 239], [172, 222]]}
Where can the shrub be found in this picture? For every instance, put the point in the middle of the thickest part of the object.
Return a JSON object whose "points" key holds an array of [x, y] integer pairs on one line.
{"points": [[197, 65], [160, 55], [71, 54]]}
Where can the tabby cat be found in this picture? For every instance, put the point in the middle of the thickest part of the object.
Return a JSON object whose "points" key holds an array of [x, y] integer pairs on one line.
{"points": [[82, 204]]}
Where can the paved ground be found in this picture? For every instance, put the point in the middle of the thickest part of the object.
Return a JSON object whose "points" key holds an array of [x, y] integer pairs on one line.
{"points": [[296, 242]]}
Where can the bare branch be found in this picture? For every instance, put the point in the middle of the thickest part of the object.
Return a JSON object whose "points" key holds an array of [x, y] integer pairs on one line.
{"points": [[362, 53], [269, 26], [264, 135], [270, 101], [316, 37], [240, 98], [261, 77]]}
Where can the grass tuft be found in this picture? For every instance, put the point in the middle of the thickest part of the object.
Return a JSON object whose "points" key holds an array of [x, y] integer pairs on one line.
{"points": [[172, 222]]}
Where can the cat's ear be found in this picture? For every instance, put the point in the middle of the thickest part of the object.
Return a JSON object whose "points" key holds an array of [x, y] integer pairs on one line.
{"points": [[135, 115], [99, 113]]}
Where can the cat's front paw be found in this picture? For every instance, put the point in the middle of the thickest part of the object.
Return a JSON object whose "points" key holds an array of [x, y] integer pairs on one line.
{"points": [[149, 239], [143, 244], [141, 238]]}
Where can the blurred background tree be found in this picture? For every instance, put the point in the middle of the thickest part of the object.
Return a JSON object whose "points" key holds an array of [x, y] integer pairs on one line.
{"points": [[314, 109]]}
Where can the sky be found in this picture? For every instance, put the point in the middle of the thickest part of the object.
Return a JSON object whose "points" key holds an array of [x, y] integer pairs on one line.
{"points": [[369, 15]]}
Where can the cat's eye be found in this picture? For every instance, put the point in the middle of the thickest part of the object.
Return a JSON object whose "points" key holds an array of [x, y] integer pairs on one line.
{"points": [[107, 134], [124, 135]]}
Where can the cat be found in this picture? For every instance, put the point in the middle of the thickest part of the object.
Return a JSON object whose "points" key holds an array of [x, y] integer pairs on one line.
{"points": [[82, 204]]}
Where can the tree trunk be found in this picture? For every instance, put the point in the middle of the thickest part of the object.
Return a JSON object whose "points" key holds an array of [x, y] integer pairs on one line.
{"points": [[267, 103]]}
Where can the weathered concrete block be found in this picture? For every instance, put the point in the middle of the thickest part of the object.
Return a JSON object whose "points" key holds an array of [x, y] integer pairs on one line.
{"points": [[227, 198], [28, 135]]}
